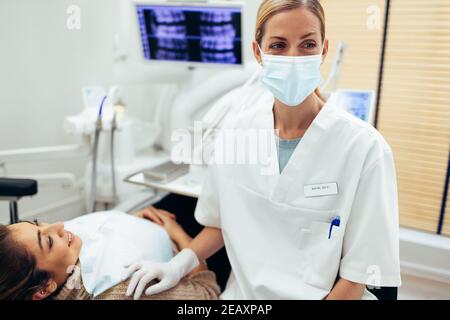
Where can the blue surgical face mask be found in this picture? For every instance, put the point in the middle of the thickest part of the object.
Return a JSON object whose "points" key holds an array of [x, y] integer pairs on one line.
{"points": [[291, 79]]}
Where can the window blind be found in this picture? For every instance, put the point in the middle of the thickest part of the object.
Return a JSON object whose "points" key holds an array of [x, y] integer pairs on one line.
{"points": [[360, 25], [414, 113]]}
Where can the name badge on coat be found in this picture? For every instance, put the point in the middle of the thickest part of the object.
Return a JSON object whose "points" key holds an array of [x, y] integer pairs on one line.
{"points": [[319, 190]]}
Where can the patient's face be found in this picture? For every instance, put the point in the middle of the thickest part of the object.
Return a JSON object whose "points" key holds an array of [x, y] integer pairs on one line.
{"points": [[55, 249]]}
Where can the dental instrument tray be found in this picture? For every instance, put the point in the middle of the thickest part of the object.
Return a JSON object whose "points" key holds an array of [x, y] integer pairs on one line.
{"points": [[165, 172]]}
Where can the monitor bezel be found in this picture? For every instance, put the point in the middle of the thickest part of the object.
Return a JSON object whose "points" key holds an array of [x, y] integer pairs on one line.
{"points": [[191, 64]]}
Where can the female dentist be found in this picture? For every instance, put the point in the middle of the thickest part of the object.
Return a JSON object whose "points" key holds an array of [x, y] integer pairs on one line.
{"points": [[325, 224]]}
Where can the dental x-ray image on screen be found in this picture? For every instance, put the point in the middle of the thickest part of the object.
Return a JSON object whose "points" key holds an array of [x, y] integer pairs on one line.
{"points": [[193, 34]]}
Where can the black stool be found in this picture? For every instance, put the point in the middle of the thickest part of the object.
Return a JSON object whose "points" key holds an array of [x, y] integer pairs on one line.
{"points": [[12, 190]]}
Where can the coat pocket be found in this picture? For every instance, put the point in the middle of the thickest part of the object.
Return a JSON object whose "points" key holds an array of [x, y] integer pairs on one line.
{"points": [[323, 252]]}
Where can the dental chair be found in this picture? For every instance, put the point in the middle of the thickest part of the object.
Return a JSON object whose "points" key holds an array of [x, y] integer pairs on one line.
{"points": [[12, 190]]}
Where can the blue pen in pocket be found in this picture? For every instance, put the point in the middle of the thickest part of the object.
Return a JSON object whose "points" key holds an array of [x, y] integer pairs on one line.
{"points": [[336, 222]]}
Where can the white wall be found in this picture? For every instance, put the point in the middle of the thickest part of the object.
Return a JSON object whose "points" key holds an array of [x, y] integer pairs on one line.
{"points": [[44, 65]]}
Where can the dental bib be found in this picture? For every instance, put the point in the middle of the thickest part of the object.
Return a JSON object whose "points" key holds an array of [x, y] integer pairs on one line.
{"points": [[113, 240]]}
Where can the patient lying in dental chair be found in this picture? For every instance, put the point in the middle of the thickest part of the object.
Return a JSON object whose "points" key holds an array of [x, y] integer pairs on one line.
{"points": [[83, 258]]}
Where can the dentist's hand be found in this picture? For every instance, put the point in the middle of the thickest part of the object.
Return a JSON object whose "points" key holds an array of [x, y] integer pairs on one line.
{"points": [[168, 273]]}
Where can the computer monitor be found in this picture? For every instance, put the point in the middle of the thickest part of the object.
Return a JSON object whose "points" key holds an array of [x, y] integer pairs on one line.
{"points": [[193, 34], [360, 103]]}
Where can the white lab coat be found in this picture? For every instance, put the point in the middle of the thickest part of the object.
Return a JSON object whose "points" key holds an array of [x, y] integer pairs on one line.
{"points": [[277, 238]]}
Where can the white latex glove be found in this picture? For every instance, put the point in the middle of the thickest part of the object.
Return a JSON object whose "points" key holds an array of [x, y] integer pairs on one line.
{"points": [[168, 273]]}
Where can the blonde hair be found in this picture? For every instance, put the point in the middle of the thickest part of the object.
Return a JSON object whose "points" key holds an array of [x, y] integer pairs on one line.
{"points": [[269, 8]]}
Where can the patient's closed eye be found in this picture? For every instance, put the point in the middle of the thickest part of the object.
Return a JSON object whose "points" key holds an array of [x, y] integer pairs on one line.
{"points": [[49, 240], [50, 243]]}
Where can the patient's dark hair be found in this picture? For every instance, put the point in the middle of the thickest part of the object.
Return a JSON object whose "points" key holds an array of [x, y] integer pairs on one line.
{"points": [[19, 276]]}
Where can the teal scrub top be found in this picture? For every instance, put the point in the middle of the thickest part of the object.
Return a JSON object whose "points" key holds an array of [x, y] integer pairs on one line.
{"points": [[285, 150]]}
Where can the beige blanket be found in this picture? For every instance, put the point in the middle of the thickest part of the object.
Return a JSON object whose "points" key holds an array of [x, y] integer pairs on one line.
{"points": [[199, 286]]}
